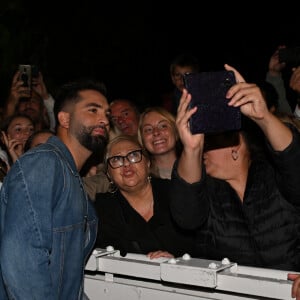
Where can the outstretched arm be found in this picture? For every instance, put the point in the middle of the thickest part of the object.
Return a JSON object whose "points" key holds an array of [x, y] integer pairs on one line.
{"points": [[252, 104]]}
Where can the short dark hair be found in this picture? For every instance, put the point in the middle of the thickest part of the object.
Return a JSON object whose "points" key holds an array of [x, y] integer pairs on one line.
{"points": [[129, 102], [183, 60], [69, 93]]}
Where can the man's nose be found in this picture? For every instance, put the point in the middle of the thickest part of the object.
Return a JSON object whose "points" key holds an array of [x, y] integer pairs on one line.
{"points": [[120, 119]]}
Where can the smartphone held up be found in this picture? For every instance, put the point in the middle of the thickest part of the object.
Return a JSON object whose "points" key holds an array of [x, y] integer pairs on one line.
{"points": [[27, 72]]}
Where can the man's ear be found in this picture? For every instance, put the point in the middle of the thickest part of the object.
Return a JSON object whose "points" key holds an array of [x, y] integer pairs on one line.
{"points": [[64, 119]]}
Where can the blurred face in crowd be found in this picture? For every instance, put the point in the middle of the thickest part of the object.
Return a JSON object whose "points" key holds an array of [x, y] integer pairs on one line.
{"points": [[19, 129], [177, 76], [124, 117], [32, 107]]}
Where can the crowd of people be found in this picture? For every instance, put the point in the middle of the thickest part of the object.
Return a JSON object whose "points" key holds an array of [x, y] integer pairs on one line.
{"points": [[79, 171]]}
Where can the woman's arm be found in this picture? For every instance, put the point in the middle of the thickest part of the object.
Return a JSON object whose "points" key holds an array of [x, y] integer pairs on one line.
{"points": [[250, 99]]}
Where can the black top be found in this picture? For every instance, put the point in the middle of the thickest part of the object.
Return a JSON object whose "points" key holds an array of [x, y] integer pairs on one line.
{"points": [[263, 230], [123, 228]]}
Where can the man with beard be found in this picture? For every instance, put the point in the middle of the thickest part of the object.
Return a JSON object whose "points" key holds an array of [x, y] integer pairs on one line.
{"points": [[48, 225]]}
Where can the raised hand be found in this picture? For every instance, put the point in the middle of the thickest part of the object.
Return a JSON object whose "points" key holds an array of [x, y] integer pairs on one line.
{"points": [[247, 96], [182, 121]]}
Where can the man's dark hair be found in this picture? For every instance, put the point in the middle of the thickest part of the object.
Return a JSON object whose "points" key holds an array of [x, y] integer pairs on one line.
{"points": [[69, 93], [183, 60]]}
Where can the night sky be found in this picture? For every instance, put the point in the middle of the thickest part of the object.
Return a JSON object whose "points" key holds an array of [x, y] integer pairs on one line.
{"points": [[129, 46]]}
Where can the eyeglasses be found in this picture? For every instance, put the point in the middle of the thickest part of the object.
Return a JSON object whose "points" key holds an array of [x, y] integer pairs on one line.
{"points": [[161, 126], [133, 157]]}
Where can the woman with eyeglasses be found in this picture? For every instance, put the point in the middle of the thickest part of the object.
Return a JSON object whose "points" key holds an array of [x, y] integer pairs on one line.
{"points": [[135, 218]]}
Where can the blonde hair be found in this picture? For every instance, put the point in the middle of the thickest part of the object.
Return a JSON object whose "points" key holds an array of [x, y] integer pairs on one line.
{"points": [[162, 111]]}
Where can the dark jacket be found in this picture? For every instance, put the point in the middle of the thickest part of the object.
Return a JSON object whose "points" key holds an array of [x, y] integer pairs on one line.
{"points": [[261, 231], [123, 228]]}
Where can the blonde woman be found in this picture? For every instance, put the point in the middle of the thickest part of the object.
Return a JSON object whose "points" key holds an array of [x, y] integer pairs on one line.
{"points": [[158, 133]]}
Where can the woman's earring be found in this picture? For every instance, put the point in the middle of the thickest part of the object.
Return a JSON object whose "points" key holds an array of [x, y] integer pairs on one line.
{"points": [[112, 188], [234, 155], [149, 178]]}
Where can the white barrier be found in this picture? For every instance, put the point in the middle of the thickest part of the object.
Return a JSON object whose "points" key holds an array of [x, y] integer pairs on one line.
{"points": [[136, 277]]}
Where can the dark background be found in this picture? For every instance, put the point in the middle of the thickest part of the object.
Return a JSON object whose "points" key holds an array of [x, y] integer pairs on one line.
{"points": [[129, 45]]}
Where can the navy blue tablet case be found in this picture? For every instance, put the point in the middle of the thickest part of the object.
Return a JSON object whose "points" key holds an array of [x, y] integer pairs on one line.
{"points": [[208, 90]]}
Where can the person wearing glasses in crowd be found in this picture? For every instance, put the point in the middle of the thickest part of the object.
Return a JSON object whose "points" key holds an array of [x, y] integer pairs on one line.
{"points": [[135, 216]]}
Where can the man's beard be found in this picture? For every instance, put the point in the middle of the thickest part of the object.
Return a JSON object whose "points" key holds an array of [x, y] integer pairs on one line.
{"points": [[94, 143]]}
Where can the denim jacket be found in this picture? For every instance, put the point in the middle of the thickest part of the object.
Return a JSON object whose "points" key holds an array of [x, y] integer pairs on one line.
{"points": [[48, 226]]}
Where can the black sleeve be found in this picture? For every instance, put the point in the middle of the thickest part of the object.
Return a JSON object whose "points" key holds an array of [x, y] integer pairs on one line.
{"points": [[287, 164], [189, 202]]}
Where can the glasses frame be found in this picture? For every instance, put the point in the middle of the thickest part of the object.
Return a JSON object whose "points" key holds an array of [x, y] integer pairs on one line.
{"points": [[123, 158]]}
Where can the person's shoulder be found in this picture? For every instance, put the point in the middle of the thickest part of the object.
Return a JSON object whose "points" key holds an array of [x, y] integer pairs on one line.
{"points": [[46, 157], [51, 144], [42, 151], [54, 148]]}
